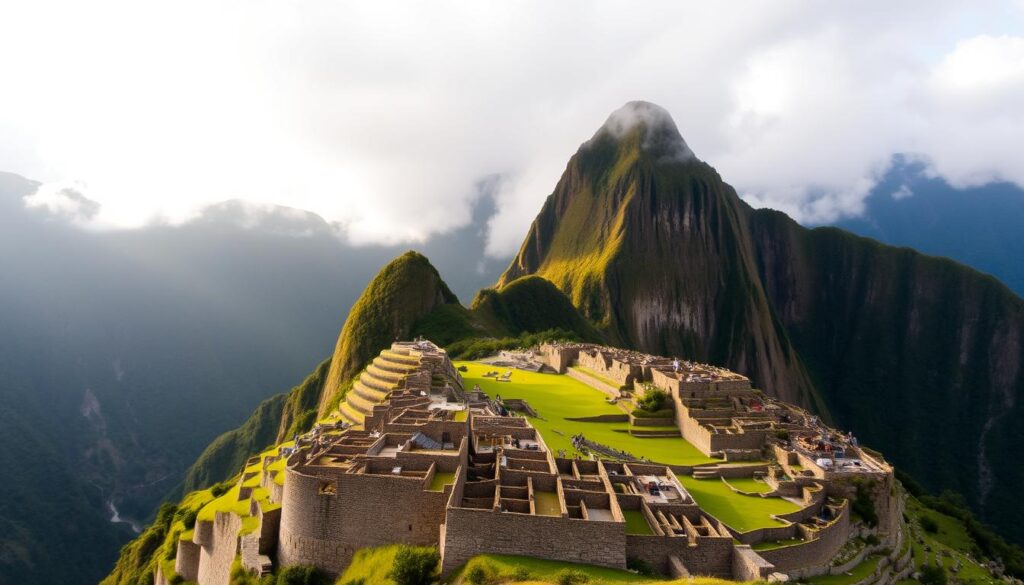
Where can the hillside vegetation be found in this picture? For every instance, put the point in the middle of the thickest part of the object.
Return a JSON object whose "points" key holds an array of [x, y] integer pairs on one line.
{"points": [[666, 258]]}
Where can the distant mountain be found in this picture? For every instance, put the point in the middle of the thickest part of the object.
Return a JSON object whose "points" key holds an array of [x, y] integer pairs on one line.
{"points": [[921, 356], [982, 227], [124, 353]]}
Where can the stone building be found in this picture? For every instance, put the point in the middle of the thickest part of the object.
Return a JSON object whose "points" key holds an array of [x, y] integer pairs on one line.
{"points": [[410, 458]]}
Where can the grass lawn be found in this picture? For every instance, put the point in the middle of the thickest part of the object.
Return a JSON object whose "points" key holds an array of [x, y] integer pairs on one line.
{"points": [[556, 398], [547, 504], [598, 377], [858, 573], [636, 523], [503, 567], [774, 544], [371, 565], [742, 513], [441, 479], [749, 485]]}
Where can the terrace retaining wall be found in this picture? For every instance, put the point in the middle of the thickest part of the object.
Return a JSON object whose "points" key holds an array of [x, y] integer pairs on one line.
{"points": [[469, 532]]}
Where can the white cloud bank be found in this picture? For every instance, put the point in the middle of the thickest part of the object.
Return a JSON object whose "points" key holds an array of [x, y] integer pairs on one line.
{"points": [[383, 116]]}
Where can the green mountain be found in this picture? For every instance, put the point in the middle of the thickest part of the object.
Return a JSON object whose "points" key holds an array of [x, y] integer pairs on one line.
{"points": [[649, 243], [405, 290], [920, 356], [407, 298]]}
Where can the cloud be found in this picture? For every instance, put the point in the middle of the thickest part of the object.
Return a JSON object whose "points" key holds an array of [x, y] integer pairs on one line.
{"points": [[64, 201], [383, 117], [902, 193]]}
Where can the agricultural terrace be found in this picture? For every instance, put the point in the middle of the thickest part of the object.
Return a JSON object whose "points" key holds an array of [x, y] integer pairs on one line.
{"points": [[739, 512], [558, 399]]}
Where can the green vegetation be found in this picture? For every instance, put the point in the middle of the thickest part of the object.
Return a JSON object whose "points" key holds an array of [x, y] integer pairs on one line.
{"points": [[441, 479], [860, 572], [749, 485], [560, 398], [636, 523], [958, 528], [276, 419], [740, 512], [653, 401], [596, 376], [470, 349], [547, 504], [415, 565], [774, 544], [530, 304], [862, 505], [159, 542], [407, 289], [495, 569]]}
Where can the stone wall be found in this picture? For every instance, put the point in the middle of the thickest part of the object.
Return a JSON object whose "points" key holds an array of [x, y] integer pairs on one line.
{"points": [[325, 529], [593, 382], [558, 358], [711, 555], [819, 548], [469, 532], [215, 558], [747, 565], [186, 560]]}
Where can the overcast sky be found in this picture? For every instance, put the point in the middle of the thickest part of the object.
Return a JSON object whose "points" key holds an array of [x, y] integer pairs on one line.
{"points": [[384, 116]]}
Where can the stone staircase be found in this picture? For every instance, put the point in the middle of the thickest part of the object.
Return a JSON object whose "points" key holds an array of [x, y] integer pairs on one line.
{"points": [[705, 472], [389, 371]]}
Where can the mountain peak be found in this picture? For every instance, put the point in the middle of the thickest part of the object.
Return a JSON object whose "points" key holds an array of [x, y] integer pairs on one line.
{"points": [[654, 127]]}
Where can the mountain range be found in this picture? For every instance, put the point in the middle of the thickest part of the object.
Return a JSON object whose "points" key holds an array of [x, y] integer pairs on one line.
{"points": [[641, 245], [657, 253]]}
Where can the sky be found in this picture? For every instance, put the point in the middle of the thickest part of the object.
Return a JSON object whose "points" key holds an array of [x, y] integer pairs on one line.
{"points": [[384, 117]]}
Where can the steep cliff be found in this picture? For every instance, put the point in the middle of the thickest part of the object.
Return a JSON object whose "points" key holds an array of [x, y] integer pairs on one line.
{"points": [[402, 293], [920, 356], [649, 243]]}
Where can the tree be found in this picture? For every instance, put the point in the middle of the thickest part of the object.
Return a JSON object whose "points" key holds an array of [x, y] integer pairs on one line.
{"points": [[415, 566]]}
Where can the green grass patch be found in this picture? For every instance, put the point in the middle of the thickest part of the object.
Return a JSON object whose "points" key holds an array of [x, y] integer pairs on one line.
{"points": [[774, 544], [546, 504], [372, 565], [557, 398], [636, 523], [749, 484], [859, 573], [740, 512], [441, 479], [598, 377]]}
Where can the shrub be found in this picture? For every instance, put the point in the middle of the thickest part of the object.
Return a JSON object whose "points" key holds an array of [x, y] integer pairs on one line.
{"points": [[188, 517], [872, 540], [863, 505], [933, 575], [522, 574], [301, 575], [220, 489], [176, 580], [640, 566], [476, 576], [929, 524], [653, 400], [571, 577], [415, 566]]}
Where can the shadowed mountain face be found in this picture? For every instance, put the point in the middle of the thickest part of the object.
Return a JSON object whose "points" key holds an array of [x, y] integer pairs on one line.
{"points": [[921, 356], [650, 244], [123, 354]]}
